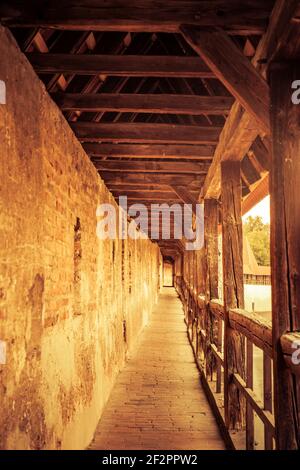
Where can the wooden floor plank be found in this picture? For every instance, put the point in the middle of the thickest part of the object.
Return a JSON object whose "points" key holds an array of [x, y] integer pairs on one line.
{"points": [[158, 401]]}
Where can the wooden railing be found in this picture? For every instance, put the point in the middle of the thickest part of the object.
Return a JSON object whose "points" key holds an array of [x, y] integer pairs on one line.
{"points": [[208, 345]]}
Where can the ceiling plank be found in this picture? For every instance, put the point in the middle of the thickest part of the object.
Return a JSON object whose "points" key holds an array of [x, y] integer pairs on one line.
{"points": [[195, 152], [120, 65], [231, 66], [152, 167], [147, 103], [138, 15], [145, 133]]}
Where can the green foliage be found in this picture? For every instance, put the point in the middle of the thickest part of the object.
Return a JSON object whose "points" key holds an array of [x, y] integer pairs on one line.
{"points": [[258, 235]]}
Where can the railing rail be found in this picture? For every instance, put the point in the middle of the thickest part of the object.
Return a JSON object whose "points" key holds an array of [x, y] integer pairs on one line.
{"points": [[253, 327]]}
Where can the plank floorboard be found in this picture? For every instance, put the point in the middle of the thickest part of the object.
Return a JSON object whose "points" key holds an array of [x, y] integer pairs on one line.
{"points": [[158, 401]]}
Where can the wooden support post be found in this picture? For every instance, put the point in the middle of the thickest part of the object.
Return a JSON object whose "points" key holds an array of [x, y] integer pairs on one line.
{"points": [[211, 289], [234, 343], [268, 402], [285, 252], [249, 409]]}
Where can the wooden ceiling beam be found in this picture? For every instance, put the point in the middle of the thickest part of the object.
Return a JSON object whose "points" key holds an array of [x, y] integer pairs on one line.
{"points": [[249, 172], [138, 15], [145, 188], [276, 40], [241, 128], [184, 194], [159, 202], [231, 66], [144, 195], [236, 138], [165, 207], [146, 103], [145, 133], [151, 167], [172, 245], [170, 202], [167, 250], [194, 152], [128, 179], [157, 222], [186, 197], [261, 154], [194, 181], [120, 65]]}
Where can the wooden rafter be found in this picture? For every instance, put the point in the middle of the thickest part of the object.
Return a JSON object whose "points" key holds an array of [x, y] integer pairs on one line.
{"points": [[120, 65], [146, 103], [144, 188], [146, 195], [145, 133], [144, 83], [241, 128], [165, 151], [184, 195], [139, 15], [234, 70], [128, 179], [152, 167]]}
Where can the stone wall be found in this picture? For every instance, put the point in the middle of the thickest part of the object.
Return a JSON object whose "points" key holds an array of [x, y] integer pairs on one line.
{"points": [[71, 305]]}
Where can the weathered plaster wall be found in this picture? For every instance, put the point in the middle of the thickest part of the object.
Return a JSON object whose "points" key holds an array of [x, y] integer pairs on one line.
{"points": [[71, 306]]}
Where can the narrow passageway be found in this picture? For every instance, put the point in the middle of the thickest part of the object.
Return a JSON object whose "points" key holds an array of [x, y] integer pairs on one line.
{"points": [[158, 401]]}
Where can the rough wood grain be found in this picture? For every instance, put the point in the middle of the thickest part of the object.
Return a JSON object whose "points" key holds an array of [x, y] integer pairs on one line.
{"points": [[231, 66], [241, 129], [254, 327], [184, 194], [139, 16], [234, 342], [146, 103], [285, 253], [145, 133], [170, 151], [152, 167], [148, 178], [120, 65], [211, 219]]}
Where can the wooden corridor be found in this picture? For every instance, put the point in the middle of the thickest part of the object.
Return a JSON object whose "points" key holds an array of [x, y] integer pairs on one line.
{"points": [[158, 401], [177, 116]]}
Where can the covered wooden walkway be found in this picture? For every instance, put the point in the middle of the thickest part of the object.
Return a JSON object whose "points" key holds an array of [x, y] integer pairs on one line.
{"points": [[158, 401], [186, 107]]}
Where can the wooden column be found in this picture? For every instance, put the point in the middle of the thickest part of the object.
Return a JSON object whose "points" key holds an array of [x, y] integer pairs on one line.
{"points": [[285, 245], [211, 275], [232, 238], [211, 246]]}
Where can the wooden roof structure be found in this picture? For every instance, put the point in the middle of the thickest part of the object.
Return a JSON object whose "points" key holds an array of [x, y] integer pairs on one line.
{"points": [[159, 92], [183, 101]]}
